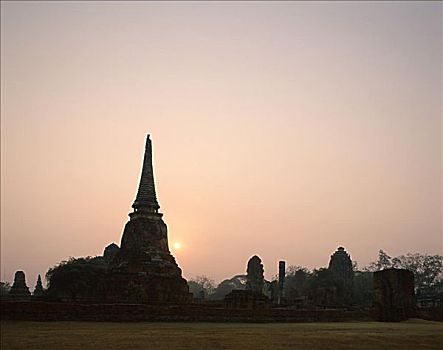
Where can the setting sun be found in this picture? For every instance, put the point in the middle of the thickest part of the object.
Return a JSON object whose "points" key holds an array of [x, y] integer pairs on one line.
{"points": [[177, 245]]}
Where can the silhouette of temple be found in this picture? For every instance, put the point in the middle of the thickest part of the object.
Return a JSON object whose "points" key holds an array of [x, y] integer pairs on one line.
{"points": [[340, 266], [143, 269]]}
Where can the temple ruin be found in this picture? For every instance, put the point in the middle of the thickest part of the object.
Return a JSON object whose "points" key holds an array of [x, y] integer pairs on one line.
{"points": [[255, 279], [340, 266], [252, 297], [19, 289], [143, 269]]}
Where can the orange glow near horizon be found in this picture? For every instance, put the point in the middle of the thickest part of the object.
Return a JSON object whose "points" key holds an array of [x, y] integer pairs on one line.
{"points": [[282, 129]]}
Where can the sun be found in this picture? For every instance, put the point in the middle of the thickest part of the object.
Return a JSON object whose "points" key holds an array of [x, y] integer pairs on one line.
{"points": [[177, 245]]}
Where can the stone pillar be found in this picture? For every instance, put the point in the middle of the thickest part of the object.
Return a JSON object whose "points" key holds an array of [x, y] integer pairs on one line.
{"points": [[394, 296], [281, 280]]}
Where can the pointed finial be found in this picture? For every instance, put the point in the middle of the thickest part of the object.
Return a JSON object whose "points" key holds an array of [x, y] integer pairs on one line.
{"points": [[38, 290], [146, 198]]}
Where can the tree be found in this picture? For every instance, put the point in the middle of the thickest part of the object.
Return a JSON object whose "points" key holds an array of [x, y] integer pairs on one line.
{"points": [[292, 270], [322, 278], [427, 270], [201, 284], [384, 262], [226, 286], [4, 288], [76, 278], [297, 281]]}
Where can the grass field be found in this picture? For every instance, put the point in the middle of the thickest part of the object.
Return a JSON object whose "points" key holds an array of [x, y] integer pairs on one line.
{"points": [[416, 334]]}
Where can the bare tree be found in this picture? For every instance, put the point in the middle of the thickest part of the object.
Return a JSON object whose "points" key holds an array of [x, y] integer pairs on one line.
{"points": [[201, 283]]}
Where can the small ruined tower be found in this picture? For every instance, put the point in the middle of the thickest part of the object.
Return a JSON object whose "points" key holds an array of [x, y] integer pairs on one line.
{"points": [[19, 289], [38, 290], [110, 252], [252, 297], [255, 279], [340, 266]]}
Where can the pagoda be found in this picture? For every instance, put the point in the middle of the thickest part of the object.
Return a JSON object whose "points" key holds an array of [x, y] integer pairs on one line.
{"points": [[340, 266], [144, 270]]}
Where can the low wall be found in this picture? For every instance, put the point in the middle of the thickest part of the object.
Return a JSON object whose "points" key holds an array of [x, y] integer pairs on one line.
{"points": [[431, 314], [45, 311]]}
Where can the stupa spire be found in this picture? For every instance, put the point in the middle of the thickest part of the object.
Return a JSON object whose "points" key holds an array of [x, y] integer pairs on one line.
{"points": [[146, 198]]}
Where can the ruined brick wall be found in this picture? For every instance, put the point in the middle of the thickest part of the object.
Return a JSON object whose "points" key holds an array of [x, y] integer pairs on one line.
{"points": [[44, 311], [394, 296]]}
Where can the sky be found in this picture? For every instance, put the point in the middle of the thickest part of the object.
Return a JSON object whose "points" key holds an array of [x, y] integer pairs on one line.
{"points": [[282, 129]]}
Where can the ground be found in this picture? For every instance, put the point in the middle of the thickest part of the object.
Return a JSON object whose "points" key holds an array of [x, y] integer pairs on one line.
{"points": [[414, 334]]}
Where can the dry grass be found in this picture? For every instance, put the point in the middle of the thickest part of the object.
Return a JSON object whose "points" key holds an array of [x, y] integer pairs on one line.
{"points": [[414, 334]]}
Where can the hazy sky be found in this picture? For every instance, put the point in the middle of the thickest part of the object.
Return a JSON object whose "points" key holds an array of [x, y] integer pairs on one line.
{"points": [[283, 129]]}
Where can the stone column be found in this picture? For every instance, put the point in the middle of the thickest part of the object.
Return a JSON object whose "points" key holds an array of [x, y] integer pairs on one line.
{"points": [[281, 280]]}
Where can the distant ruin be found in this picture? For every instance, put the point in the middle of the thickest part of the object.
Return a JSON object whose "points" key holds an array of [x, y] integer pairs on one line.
{"points": [[19, 290], [254, 275], [110, 252], [342, 272], [252, 297], [38, 290]]}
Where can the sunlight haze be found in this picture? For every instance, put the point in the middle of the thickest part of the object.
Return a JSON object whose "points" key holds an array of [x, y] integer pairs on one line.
{"points": [[282, 129]]}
